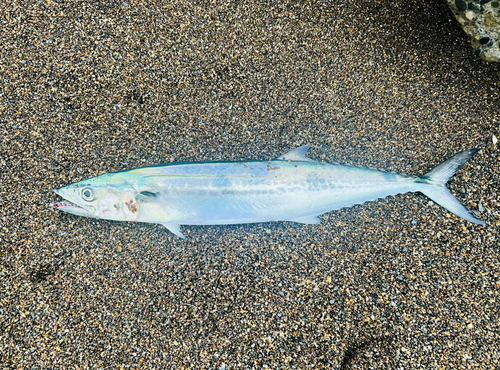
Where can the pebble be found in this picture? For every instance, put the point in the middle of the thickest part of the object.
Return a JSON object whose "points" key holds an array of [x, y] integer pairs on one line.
{"points": [[481, 22], [97, 87]]}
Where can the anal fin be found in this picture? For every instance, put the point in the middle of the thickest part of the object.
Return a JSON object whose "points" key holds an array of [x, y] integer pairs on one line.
{"points": [[310, 220], [175, 229]]}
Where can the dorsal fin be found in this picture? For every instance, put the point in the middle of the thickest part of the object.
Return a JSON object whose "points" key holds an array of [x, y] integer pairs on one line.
{"points": [[297, 154]]}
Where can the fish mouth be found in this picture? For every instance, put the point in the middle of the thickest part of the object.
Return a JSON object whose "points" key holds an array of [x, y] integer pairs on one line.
{"points": [[70, 207], [65, 204]]}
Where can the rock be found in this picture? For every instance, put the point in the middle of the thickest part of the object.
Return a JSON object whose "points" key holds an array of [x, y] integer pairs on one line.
{"points": [[480, 19]]}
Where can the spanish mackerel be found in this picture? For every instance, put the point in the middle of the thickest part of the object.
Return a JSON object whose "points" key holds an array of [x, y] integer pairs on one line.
{"points": [[289, 188]]}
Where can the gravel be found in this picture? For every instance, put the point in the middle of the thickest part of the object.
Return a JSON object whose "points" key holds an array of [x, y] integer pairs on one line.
{"points": [[95, 87]]}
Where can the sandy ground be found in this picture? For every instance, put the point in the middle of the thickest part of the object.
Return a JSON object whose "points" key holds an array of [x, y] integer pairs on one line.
{"points": [[94, 87]]}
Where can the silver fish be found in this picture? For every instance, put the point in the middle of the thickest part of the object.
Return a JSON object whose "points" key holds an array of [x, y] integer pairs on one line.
{"points": [[289, 188]]}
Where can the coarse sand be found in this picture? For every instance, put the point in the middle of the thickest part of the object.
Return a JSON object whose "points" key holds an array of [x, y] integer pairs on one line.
{"points": [[90, 87]]}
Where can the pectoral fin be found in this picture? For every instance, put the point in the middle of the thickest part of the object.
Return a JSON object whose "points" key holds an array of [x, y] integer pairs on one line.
{"points": [[148, 196], [175, 229], [311, 220]]}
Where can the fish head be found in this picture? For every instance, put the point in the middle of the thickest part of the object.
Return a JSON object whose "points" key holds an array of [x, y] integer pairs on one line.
{"points": [[100, 197]]}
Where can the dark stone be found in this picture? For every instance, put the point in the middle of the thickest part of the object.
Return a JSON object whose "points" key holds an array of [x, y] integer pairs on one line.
{"points": [[461, 5], [495, 4], [484, 40], [485, 2], [472, 6]]}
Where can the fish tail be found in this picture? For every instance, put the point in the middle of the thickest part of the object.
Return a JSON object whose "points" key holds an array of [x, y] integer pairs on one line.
{"points": [[439, 193]]}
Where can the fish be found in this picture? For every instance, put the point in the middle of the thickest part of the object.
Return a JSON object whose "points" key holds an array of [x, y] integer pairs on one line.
{"points": [[292, 187]]}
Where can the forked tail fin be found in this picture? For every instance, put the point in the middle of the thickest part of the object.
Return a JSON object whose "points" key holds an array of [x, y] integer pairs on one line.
{"points": [[438, 191]]}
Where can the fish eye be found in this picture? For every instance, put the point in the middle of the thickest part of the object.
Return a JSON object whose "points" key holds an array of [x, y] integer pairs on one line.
{"points": [[88, 194]]}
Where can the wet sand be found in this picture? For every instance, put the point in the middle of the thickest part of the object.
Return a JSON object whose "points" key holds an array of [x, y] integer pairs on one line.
{"points": [[90, 88]]}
